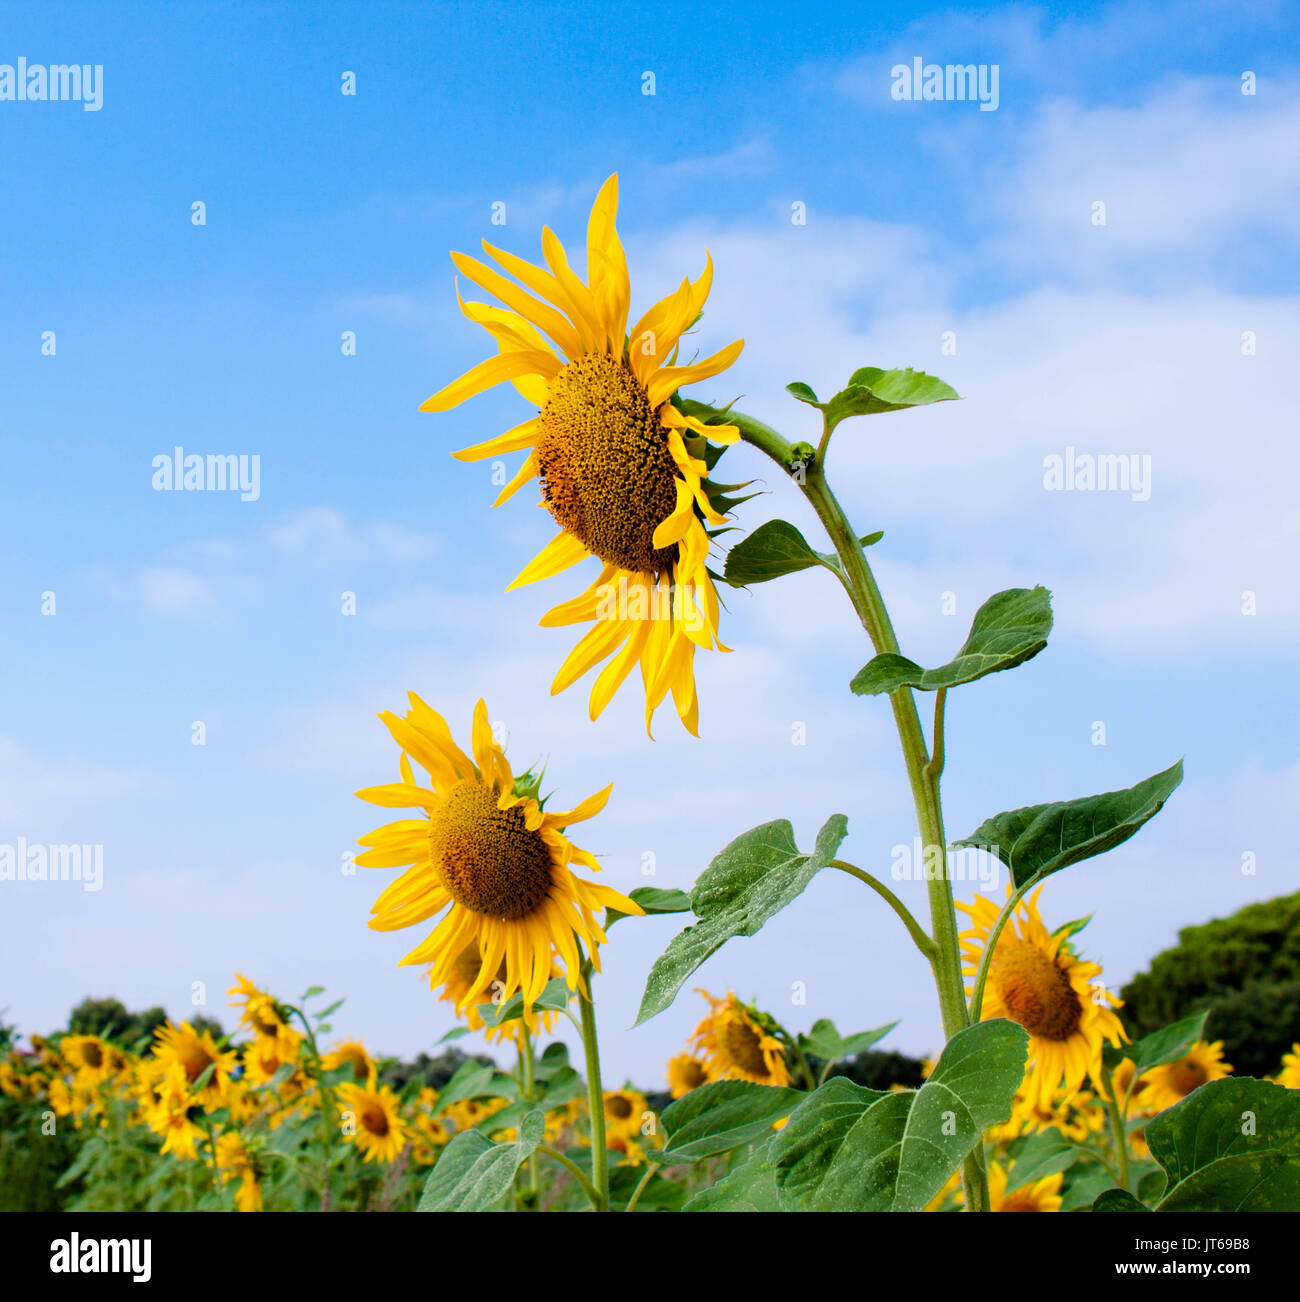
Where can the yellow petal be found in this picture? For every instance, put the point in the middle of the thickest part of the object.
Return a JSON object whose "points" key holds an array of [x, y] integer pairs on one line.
{"points": [[504, 366], [522, 436], [563, 551], [666, 381]]}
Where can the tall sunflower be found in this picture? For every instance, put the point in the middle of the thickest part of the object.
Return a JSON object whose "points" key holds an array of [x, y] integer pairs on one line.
{"points": [[1162, 1087], [1035, 980], [491, 857], [735, 1044], [622, 469]]}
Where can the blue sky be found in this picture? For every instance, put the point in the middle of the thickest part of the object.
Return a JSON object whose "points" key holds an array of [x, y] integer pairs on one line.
{"points": [[328, 213]]}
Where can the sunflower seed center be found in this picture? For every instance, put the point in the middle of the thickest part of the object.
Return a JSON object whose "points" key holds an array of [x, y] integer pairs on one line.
{"points": [[603, 460], [1036, 992]]}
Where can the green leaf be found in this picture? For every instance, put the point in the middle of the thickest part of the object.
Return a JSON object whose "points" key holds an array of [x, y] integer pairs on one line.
{"points": [[456, 1033], [1166, 1045], [1231, 1145], [1117, 1200], [1042, 1155], [473, 1174], [872, 391], [653, 899], [749, 880], [1008, 629], [311, 992], [847, 1148], [720, 1116], [773, 549], [751, 1187], [333, 1008], [1042, 839], [553, 999], [472, 1080], [825, 1041], [563, 1087], [803, 392]]}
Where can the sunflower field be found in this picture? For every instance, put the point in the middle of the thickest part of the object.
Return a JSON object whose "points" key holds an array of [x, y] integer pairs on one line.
{"points": [[1039, 1099]]}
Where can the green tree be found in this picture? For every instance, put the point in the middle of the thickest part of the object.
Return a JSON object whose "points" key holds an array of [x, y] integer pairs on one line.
{"points": [[1245, 969]]}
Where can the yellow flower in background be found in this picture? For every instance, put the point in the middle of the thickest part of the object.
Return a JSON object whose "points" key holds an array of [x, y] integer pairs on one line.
{"points": [[92, 1059], [1074, 1113], [686, 1072], [1036, 981], [264, 1055], [235, 1162], [1290, 1074], [624, 1111], [622, 470], [195, 1053], [494, 860], [462, 975], [376, 1126], [734, 1044], [1041, 1196], [169, 1115], [351, 1053], [1162, 1087]]}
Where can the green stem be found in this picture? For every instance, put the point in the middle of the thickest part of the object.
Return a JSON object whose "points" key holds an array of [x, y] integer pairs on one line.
{"points": [[1116, 1129], [914, 928], [636, 1193], [595, 1094], [922, 774], [575, 1171]]}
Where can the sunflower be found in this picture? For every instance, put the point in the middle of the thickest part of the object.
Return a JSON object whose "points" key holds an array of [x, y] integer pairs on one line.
{"points": [[351, 1053], [1035, 980], [686, 1072], [1162, 1087], [624, 1110], [622, 470], [235, 1162], [169, 1113], [264, 1055], [736, 1045], [262, 1014], [492, 855], [1034, 1110], [1290, 1074], [195, 1053], [1041, 1196], [376, 1126], [461, 976], [90, 1058]]}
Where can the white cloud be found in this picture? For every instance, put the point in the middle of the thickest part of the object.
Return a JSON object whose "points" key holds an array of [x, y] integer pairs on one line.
{"points": [[174, 592]]}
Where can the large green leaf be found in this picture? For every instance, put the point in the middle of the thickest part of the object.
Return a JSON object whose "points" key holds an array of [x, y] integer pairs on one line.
{"points": [[752, 878], [773, 549], [847, 1148], [1008, 629], [1231, 1145], [871, 391], [1166, 1045], [652, 899], [1043, 1154], [473, 1174], [751, 1187], [1042, 839], [720, 1116]]}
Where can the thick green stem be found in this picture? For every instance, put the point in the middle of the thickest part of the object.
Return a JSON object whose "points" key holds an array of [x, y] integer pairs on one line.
{"points": [[922, 774], [1116, 1129], [595, 1095]]}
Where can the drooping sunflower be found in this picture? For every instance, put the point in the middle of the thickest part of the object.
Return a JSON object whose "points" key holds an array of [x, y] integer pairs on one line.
{"points": [[1162, 1087], [1290, 1074], [195, 1052], [376, 1126], [260, 1012], [623, 470], [1035, 979], [1041, 1196], [686, 1072], [351, 1053], [736, 1045], [488, 854]]}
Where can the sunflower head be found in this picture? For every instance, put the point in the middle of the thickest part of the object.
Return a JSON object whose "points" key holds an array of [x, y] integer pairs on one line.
{"points": [[736, 1042], [686, 1072], [372, 1120], [196, 1054], [1162, 1087], [494, 860], [1035, 980], [623, 471], [351, 1054]]}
